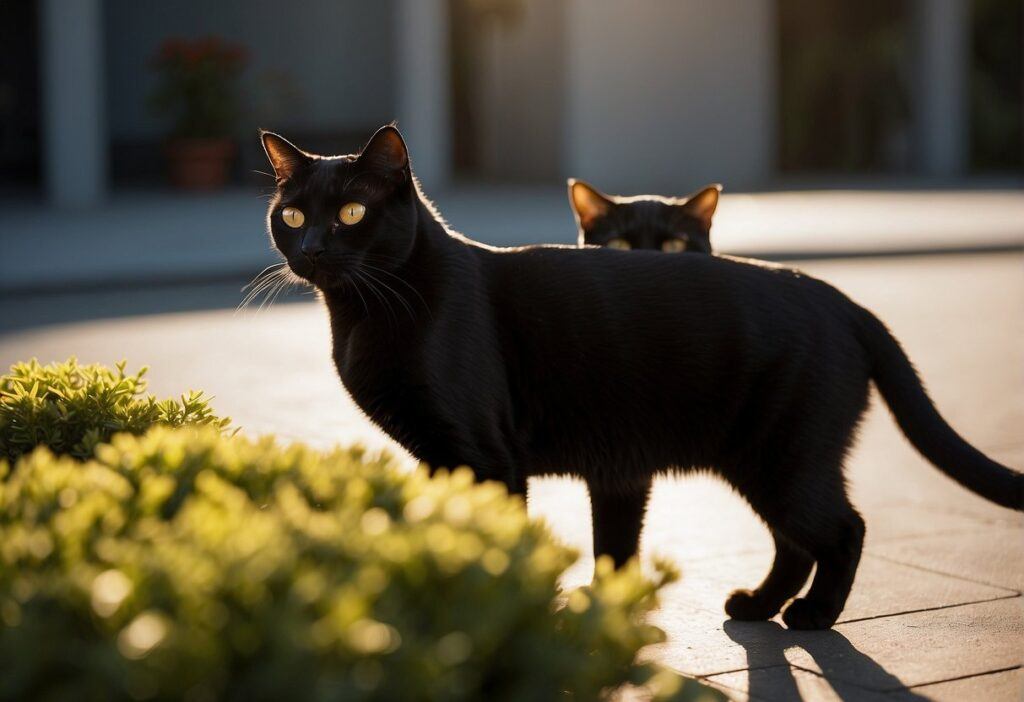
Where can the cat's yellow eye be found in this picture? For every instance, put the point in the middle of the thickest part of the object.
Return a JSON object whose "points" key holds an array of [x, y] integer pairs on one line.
{"points": [[293, 217], [352, 213], [618, 243], [673, 245]]}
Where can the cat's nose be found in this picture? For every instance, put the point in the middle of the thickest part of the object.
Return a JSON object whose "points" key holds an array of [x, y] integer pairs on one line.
{"points": [[312, 250], [313, 243]]}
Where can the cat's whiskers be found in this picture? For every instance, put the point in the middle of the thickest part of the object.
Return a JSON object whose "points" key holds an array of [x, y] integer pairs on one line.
{"points": [[361, 274], [270, 282], [269, 270], [401, 299], [264, 291], [258, 284], [349, 281], [282, 284], [400, 280]]}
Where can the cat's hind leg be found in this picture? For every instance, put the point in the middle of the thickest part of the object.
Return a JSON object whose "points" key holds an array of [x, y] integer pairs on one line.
{"points": [[618, 517], [806, 507], [789, 572], [836, 544]]}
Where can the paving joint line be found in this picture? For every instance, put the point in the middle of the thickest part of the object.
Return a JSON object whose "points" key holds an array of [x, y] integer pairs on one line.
{"points": [[740, 670], [828, 679], [1017, 593], [967, 677], [929, 609], [888, 690], [707, 677]]}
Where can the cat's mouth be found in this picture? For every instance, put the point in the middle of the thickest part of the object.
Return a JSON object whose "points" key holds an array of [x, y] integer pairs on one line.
{"points": [[319, 275], [303, 268]]}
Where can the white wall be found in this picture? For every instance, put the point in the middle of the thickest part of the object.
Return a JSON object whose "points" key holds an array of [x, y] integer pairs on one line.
{"points": [[665, 95], [423, 90], [72, 78], [942, 88]]}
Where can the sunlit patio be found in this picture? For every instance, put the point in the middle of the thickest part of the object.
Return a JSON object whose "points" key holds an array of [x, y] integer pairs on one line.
{"points": [[936, 611]]}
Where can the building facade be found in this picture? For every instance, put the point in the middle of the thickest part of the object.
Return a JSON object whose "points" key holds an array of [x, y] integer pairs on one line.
{"points": [[658, 95]]}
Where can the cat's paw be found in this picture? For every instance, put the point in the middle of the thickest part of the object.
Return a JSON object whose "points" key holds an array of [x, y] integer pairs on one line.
{"points": [[805, 614], [747, 606]]}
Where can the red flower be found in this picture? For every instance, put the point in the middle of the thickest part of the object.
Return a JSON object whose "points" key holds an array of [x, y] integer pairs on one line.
{"points": [[184, 53]]}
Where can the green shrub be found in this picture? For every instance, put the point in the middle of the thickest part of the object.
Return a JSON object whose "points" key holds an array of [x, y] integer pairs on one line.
{"points": [[184, 564], [71, 408]]}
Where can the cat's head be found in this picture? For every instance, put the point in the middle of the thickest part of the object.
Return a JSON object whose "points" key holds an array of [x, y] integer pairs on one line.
{"points": [[333, 216], [644, 221]]}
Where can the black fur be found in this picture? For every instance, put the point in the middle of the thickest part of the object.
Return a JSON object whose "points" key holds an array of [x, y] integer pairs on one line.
{"points": [[609, 365], [640, 222]]}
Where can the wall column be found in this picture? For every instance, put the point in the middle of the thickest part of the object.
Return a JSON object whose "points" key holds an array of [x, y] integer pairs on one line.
{"points": [[424, 102], [943, 29], [74, 127]]}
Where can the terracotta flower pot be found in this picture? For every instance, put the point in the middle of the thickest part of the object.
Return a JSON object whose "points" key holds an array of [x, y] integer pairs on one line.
{"points": [[200, 164]]}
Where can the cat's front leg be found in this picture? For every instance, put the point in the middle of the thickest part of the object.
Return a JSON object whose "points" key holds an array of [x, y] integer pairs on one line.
{"points": [[789, 572], [618, 518], [502, 469]]}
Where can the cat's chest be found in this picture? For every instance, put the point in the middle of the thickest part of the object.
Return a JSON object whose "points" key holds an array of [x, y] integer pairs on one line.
{"points": [[386, 379], [374, 367]]}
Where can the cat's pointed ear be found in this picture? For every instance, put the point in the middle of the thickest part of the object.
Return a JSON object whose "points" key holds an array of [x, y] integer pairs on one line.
{"points": [[284, 156], [588, 203], [703, 203], [386, 152]]}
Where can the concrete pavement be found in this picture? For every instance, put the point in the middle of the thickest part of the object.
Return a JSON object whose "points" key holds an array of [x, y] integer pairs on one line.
{"points": [[936, 611]]}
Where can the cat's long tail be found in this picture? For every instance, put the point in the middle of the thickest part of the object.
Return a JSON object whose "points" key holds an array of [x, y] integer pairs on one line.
{"points": [[922, 424]]}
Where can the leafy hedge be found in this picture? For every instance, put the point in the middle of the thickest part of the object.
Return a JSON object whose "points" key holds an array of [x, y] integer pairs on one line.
{"points": [[189, 564], [71, 408]]}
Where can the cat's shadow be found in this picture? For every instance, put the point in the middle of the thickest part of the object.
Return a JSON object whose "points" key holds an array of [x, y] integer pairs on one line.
{"points": [[770, 676]]}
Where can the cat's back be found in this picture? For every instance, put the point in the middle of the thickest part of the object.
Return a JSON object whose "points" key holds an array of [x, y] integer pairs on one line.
{"points": [[597, 301], [603, 279]]}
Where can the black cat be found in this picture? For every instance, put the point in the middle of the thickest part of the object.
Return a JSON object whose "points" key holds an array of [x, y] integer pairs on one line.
{"points": [[672, 225], [609, 365]]}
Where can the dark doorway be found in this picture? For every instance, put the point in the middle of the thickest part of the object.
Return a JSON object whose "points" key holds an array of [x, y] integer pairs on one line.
{"points": [[844, 103], [507, 70], [997, 86], [20, 129]]}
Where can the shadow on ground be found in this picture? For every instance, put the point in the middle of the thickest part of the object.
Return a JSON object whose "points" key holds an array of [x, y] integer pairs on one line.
{"points": [[770, 677]]}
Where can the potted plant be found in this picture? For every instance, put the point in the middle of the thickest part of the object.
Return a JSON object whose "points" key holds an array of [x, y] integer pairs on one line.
{"points": [[198, 89]]}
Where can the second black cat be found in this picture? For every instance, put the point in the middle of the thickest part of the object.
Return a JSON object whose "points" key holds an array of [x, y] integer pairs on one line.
{"points": [[668, 224]]}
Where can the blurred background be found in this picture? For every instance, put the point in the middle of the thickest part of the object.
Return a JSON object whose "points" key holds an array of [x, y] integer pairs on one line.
{"points": [[129, 160]]}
